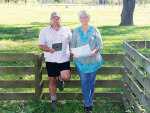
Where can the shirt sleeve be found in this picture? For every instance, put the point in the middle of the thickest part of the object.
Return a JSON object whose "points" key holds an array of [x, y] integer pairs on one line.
{"points": [[99, 43], [74, 39], [41, 38], [69, 35]]}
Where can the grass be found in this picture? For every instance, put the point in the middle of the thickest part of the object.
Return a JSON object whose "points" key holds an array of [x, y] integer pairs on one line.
{"points": [[69, 106], [19, 30], [20, 26]]}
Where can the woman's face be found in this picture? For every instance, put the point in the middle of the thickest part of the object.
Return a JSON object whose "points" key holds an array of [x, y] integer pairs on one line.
{"points": [[84, 20]]}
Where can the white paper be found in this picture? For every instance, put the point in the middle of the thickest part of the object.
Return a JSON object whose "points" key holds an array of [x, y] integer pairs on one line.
{"points": [[83, 51]]}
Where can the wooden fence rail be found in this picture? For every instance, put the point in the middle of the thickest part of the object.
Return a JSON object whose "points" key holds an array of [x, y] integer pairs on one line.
{"points": [[135, 78], [133, 91], [38, 83]]}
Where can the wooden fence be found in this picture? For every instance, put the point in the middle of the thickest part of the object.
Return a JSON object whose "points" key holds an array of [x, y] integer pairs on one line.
{"points": [[136, 84], [38, 83], [136, 93]]}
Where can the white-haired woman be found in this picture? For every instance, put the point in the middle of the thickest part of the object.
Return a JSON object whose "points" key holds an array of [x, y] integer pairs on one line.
{"points": [[87, 66]]}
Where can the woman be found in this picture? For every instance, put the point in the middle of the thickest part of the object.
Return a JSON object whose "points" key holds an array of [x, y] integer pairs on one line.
{"points": [[87, 66]]}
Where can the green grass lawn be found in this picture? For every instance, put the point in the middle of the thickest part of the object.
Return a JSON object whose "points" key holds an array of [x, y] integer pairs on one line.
{"points": [[20, 27]]}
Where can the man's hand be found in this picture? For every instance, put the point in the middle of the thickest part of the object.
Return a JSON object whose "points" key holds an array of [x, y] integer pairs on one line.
{"points": [[51, 50], [71, 53], [47, 49]]}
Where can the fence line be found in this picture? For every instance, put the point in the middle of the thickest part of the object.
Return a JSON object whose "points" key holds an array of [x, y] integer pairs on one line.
{"points": [[67, 6], [59, 5], [132, 95], [130, 69], [38, 83]]}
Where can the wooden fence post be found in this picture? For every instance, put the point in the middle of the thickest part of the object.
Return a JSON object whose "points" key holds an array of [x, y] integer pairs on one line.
{"points": [[38, 75]]}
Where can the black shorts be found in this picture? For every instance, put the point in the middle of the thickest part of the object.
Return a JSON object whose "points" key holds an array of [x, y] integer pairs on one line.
{"points": [[54, 69]]}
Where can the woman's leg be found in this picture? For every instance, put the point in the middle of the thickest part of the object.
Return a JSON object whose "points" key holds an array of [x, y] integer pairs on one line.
{"points": [[85, 85], [92, 86]]}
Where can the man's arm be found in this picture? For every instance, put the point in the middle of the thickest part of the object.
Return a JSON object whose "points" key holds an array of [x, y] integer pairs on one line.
{"points": [[45, 48], [69, 49], [69, 45]]}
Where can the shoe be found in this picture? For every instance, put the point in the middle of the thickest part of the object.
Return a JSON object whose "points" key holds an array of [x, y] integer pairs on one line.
{"points": [[85, 108], [53, 107], [88, 109], [61, 85]]}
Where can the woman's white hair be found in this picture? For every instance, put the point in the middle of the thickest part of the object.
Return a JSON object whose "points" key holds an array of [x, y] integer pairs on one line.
{"points": [[84, 13]]}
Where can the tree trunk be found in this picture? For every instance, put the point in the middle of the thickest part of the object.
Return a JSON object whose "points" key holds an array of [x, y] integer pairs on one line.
{"points": [[127, 13]]}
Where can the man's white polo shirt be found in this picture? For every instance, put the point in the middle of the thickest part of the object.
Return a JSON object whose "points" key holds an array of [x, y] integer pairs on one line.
{"points": [[49, 36]]}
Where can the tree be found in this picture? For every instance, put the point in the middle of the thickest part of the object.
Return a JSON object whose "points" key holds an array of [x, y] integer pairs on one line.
{"points": [[127, 13]]}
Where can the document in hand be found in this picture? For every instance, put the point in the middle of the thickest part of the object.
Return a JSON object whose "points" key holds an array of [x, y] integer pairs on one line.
{"points": [[83, 51]]}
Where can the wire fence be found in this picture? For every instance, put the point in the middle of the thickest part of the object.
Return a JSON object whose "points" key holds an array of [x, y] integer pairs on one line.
{"points": [[58, 5], [67, 6]]}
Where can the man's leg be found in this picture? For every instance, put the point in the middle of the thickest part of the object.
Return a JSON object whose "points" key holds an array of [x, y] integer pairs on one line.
{"points": [[65, 75], [52, 85], [52, 88]]}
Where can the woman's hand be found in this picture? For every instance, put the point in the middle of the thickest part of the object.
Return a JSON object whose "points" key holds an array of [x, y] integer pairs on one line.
{"points": [[92, 54], [75, 57]]}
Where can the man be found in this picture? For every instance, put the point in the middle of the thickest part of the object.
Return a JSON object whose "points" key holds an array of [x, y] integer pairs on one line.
{"points": [[57, 61]]}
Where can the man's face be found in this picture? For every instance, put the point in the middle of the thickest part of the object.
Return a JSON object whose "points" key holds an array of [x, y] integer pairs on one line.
{"points": [[55, 21]]}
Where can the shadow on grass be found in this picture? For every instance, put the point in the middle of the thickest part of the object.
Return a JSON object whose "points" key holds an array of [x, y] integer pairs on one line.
{"points": [[18, 33], [39, 24], [121, 30], [31, 32], [110, 34]]}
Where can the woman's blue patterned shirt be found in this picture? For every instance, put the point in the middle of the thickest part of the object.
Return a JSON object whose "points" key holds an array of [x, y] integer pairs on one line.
{"points": [[93, 38]]}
